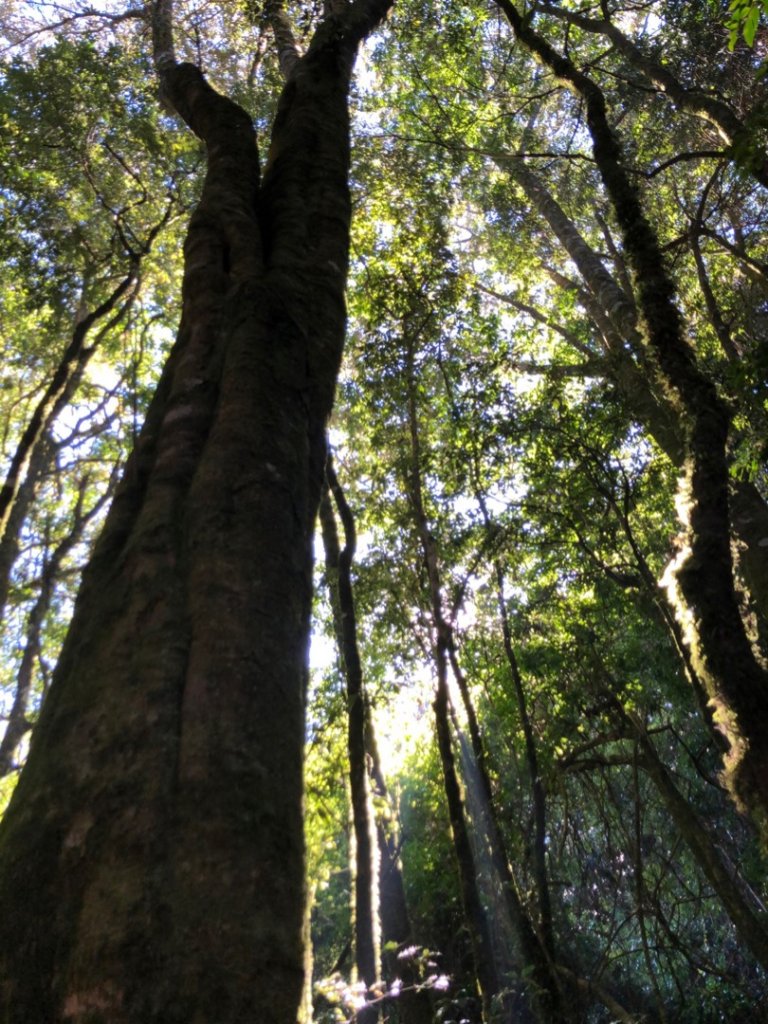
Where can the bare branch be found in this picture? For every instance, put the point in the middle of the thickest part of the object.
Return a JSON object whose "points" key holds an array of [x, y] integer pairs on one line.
{"points": [[54, 27]]}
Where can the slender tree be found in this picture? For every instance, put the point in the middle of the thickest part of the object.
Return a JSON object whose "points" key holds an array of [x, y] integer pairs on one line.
{"points": [[338, 562], [701, 580], [694, 100]]}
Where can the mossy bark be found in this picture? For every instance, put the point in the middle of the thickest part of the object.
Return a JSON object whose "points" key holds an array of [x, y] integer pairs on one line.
{"points": [[700, 103], [151, 861], [701, 579]]}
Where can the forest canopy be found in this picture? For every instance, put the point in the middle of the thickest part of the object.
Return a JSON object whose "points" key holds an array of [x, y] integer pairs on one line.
{"points": [[510, 260]]}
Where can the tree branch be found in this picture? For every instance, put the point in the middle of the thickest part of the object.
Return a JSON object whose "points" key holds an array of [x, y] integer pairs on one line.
{"points": [[288, 52]]}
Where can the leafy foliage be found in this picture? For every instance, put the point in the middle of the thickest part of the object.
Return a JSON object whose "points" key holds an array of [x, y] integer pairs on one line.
{"points": [[743, 19], [492, 361]]}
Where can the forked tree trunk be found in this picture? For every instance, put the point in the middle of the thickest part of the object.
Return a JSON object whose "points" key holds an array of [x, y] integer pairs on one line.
{"points": [[151, 862]]}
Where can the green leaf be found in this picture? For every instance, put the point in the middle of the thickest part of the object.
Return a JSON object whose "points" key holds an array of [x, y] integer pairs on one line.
{"points": [[750, 25]]}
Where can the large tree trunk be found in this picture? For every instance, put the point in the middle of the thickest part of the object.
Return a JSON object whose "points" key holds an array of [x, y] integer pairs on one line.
{"points": [[151, 862]]}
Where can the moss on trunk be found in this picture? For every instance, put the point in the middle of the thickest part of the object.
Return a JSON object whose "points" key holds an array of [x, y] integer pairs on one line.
{"points": [[151, 861]]}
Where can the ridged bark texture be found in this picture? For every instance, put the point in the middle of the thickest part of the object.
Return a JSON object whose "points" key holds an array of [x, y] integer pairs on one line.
{"points": [[151, 862]]}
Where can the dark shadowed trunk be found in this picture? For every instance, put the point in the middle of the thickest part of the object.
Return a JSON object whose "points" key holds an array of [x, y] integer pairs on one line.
{"points": [[477, 921], [414, 1006], [338, 563], [380, 903], [151, 862]]}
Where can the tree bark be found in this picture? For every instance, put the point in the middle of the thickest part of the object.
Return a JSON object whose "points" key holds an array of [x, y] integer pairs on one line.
{"points": [[698, 102], [381, 910], [701, 579], [366, 868], [151, 861], [614, 314]]}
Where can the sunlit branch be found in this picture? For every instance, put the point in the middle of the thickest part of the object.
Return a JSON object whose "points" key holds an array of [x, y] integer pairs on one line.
{"points": [[163, 51], [288, 52], [539, 317], [53, 27]]}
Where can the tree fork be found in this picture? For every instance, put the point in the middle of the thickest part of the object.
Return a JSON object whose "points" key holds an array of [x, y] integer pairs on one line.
{"points": [[151, 861]]}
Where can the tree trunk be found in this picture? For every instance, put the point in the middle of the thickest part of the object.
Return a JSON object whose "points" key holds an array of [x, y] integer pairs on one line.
{"points": [[381, 911], [365, 867], [476, 918], [700, 103], [749, 925], [151, 861], [700, 580]]}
